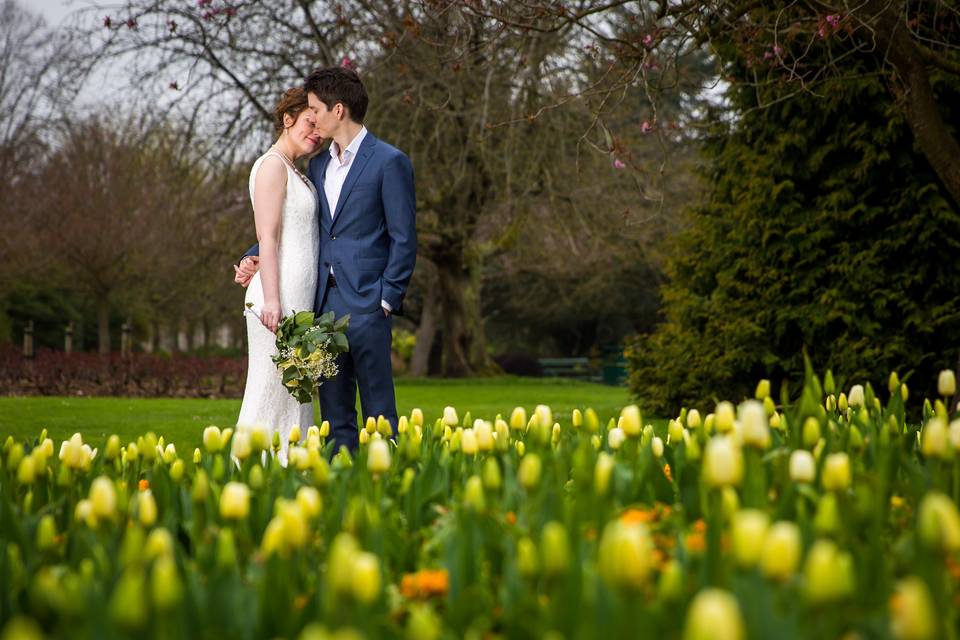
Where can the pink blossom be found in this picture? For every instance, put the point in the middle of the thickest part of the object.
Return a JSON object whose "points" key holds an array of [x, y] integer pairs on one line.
{"points": [[346, 63], [647, 40], [619, 164], [778, 50], [833, 20], [132, 23], [203, 3], [646, 127]]}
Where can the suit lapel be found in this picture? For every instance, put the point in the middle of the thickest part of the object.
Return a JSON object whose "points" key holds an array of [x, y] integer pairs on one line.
{"points": [[356, 168], [317, 173]]}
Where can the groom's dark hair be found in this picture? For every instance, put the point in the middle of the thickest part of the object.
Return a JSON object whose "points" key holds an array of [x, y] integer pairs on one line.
{"points": [[339, 84]]}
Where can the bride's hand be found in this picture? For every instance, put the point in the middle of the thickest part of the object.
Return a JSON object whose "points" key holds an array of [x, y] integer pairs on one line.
{"points": [[270, 315]]}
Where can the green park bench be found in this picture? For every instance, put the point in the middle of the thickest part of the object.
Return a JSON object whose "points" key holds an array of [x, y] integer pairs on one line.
{"points": [[611, 369]]}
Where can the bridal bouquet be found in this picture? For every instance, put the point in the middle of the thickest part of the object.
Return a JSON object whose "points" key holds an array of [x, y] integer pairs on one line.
{"points": [[307, 350]]}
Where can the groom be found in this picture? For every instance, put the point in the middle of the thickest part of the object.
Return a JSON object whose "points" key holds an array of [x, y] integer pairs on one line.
{"points": [[368, 247]]}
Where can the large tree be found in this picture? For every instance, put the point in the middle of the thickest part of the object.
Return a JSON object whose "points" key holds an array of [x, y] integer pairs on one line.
{"points": [[472, 101]]}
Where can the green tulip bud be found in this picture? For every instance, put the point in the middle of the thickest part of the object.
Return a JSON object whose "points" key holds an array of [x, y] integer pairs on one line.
{"points": [[226, 549], [828, 515], [811, 431], [256, 477], [473, 496], [556, 549], [939, 522], [128, 607], [529, 471], [602, 473], [527, 562], [670, 586], [423, 623], [47, 533], [763, 390], [165, 585], [492, 478]]}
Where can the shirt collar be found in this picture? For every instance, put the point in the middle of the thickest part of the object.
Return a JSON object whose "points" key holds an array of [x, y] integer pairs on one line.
{"points": [[351, 149]]}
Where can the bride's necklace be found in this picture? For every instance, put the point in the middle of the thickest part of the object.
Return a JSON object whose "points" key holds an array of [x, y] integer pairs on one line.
{"points": [[289, 162]]}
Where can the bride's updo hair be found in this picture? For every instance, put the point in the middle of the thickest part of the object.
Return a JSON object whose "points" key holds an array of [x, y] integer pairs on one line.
{"points": [[293, 103]]}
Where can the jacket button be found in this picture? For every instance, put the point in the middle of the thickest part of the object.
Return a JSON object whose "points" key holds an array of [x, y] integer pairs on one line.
{"points": [[333, 237]]}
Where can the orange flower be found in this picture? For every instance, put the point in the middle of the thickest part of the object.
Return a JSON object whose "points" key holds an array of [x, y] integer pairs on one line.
{"points": [[634, 516], [666, 472], [143, 485], [695, 542], [425, 583], [645, 516], [300, 601], [511, 517], [953, 567]]}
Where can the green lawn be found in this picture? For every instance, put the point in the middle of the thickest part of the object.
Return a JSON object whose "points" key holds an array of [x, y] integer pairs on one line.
{"points": [[182, 420]]}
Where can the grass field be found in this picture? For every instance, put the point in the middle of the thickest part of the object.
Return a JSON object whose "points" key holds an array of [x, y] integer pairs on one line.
{"points": [[181, 421]]}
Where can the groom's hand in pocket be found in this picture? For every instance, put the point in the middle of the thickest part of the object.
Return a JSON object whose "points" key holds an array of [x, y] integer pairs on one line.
{"points": [[246, 270]]}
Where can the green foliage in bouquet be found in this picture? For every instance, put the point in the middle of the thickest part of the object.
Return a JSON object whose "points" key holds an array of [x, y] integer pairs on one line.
{"points": [[307, 350]]}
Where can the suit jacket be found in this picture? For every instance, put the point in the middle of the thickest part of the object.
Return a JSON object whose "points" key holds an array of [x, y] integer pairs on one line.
{"points": [[371, 241]]}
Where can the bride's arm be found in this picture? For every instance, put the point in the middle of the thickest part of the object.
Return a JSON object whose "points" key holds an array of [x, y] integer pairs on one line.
{"points": [[269, 190]]}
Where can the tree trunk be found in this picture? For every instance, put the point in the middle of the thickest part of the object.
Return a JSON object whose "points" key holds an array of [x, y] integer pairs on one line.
{"points": [[103, 325], [464, 342], [917, 99], [426, 332]]}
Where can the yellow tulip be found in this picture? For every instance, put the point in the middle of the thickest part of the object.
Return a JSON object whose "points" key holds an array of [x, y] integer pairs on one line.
{"points": [[781, 551], [624, 555], [365, 578], [723, 462], [235, 501], [748, 534], [103, 498], [714, 615], [378, 457]]}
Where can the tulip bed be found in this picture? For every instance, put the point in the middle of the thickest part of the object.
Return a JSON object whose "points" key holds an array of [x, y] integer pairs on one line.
{"points": [[826, 516]]}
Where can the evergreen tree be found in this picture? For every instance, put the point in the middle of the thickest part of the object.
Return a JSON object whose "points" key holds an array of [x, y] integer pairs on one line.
{"points": [[823, 229]]}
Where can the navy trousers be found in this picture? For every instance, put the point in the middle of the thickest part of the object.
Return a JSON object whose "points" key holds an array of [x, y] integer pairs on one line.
{"points": [[366, 367]]}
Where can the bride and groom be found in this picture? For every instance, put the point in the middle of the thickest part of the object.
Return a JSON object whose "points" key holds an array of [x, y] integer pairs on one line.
{"points": [[341, 238]]}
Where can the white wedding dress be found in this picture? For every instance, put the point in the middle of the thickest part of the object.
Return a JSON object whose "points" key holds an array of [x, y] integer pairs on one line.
{"points": [[266, 403]]}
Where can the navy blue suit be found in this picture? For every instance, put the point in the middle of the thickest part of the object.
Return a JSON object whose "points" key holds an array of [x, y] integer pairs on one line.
{"points": [[371, 242]]}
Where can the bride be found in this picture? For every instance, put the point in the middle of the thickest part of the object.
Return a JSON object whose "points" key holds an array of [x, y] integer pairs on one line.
{"points": [[285, 214]]}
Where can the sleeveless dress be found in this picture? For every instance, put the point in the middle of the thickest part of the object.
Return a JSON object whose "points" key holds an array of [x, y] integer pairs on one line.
{"points": [[266, 403]]}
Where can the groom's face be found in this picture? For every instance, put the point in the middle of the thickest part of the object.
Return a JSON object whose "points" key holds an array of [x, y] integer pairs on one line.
{"points": [[328, 120]]}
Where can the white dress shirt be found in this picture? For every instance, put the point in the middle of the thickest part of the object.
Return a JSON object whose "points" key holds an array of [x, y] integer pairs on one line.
{"points": [[336, 175]]}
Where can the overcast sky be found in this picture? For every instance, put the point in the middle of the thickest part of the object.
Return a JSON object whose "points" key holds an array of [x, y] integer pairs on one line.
{"points": [[54, 10]]}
